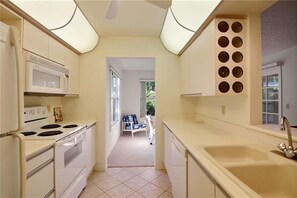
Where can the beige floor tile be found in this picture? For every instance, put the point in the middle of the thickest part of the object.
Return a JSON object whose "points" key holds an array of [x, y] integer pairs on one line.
{"points": [[98, 176], [150, 191], [162, 182], [91, 191], [137, 170], [108, 184], [150, 174], [120, 191], [123, 176], [136, 195], [113, 171], [104, 196], [136, 183], [166, 194]]}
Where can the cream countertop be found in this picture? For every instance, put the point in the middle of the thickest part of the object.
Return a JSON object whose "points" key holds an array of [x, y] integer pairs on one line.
{"points": [[34, 147], [194, 136]]}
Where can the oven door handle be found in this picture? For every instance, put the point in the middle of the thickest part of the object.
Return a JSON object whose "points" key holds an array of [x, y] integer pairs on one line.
{"points": [[73, 141]]}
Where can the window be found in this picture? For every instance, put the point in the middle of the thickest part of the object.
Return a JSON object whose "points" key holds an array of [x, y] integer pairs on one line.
{"points": [[115, 98], [271, 95], [147, 98]]}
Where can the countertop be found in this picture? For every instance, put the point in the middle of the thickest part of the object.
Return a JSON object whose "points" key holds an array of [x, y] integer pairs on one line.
{"points": [[34, 147], [195, 136]]}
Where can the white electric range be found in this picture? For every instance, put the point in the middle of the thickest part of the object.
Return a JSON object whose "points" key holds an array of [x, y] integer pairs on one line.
{"points": [[70, 149]]}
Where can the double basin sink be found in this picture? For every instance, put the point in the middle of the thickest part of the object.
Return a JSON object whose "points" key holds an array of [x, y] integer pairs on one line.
{"points": [[254, 169]]}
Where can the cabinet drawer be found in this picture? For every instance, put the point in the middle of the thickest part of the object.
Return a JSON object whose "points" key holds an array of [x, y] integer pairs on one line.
{"points": [[39, 160], [41, 183]]}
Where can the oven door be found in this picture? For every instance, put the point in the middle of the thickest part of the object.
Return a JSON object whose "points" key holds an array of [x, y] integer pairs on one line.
{"points": [[69, 161]]}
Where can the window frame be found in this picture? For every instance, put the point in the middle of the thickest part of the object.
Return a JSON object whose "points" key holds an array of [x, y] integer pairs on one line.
{"points": [[269, 70], [112, 98]]}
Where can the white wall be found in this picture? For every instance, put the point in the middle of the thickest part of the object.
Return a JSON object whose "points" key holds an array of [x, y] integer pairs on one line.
{"points": [[289, 80], [93, 100], [131, 90], [51, 102]]}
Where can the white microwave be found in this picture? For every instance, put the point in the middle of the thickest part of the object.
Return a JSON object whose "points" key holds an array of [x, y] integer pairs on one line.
{"points": [[45, 76]]}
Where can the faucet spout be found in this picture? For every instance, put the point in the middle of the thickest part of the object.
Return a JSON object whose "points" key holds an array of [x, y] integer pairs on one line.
{"points": [[284, 124]]}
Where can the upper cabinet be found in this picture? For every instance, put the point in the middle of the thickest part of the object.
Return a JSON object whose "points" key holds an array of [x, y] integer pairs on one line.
{"points": [[34, 40], [56, 51], [38, 42], [215, 64], [72, 61]]}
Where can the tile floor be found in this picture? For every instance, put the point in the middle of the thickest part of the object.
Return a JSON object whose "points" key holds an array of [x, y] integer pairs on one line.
{"points": [[132, 182]]}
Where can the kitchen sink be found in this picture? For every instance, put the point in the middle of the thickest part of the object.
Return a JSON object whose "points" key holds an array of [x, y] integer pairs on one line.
{"points": [[268, 180], [235, 153]]}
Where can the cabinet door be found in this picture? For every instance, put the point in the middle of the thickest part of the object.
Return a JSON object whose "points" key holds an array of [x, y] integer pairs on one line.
{"points": [[198, 65], [93, 146], [199, 184], [41, 183], [56, 51], [90, 150], [34, 40], [167, 150], [71, 61]]}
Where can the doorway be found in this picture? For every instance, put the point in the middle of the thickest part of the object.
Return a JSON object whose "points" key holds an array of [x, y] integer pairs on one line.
{"points": [[137, 99]]}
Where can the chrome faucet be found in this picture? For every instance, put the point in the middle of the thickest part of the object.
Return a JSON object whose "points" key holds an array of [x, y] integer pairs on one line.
{"points": [[289, 152]]}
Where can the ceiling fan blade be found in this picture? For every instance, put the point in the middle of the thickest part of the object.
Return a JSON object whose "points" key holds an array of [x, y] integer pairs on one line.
{"points": [[161, 3], [113, 9]]}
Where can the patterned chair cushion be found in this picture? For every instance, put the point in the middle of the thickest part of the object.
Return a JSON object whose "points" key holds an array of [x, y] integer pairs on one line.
{"points": [[132, 118]]}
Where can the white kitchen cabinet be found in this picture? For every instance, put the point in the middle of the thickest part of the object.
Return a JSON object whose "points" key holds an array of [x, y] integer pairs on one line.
{"points": [[71, 62], [215, 63], [40, 175], [35, 40], [167, 150], [90, 149], [175, 160], [56, 51], [200, 184]]}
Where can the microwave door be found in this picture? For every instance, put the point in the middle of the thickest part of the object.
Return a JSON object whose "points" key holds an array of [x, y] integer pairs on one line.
{"points": [[44, 80]]}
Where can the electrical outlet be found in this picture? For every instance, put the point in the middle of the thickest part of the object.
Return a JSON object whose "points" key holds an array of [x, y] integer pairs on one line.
{"points": [[288, 106], [223, 110], [48, 108]]}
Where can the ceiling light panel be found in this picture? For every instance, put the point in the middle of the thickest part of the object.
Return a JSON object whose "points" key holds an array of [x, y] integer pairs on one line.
{"points": [[190, 14], [55, 14]]}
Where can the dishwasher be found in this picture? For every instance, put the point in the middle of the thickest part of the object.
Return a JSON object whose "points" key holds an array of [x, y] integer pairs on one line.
{"points": [[179, 169]]}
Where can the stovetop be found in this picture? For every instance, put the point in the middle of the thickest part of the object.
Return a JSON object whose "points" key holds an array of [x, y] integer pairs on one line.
{"points": [[52, 131]]}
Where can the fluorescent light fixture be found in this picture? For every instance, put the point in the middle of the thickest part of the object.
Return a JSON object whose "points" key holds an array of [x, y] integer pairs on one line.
{"points": [[190, 14], [55, 14]]}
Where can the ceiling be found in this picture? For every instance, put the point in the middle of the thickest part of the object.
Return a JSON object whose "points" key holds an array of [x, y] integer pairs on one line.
{"points": [[134, 18], [140, 18], [279, 27]]}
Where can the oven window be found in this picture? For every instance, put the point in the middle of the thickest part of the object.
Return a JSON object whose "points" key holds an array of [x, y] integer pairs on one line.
{"points": [[72, 153]]}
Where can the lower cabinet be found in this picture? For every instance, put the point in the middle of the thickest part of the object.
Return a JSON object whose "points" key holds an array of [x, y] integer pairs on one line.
{"points": [[175, 159], [40, 175], [90, 149], [200, 184]]}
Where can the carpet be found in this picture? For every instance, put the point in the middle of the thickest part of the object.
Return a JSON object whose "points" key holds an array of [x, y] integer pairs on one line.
{"points": [[132, 152]]}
